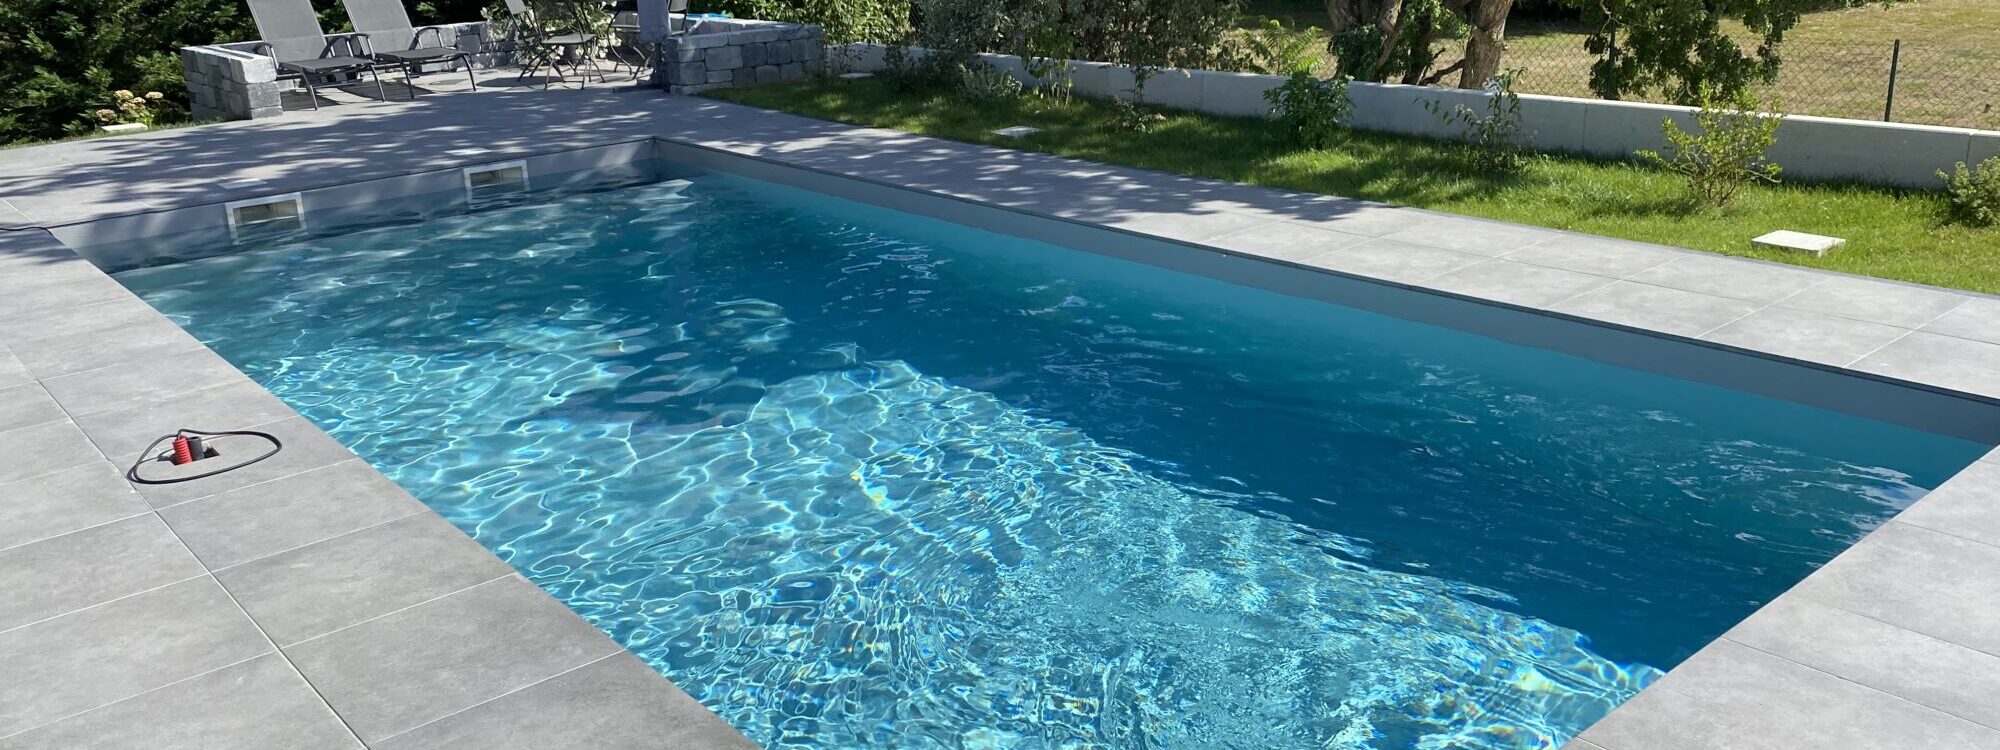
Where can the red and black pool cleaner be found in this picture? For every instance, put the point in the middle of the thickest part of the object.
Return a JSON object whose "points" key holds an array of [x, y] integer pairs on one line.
{"points": [[189, 446]]}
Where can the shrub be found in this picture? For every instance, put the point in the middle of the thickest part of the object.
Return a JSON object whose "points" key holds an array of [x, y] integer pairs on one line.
{"points": [[1312, 112], [1145, 34], [1725, 153], [59, 59], [1277, 49], [984, 84], [907, 69], [131, 108], [1974, 193], [1494, 141], [842, 20], [1134, 116]]}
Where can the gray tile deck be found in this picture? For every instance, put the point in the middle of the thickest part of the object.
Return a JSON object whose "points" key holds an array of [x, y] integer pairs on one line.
{"points": [[93, 566], [92, 657], [402, 671], [1890, 645], [275, 708], [323, 587], [68, 500], [603, 704], [261, 520]]}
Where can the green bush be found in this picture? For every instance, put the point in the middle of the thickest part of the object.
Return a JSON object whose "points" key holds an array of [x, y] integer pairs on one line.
{"points": [[1277, 49], [1493, 138], [1975, 193], [1313, 112], [60, 60], [984, 84], [1144, 34], [843, 20], [1725, 152]]}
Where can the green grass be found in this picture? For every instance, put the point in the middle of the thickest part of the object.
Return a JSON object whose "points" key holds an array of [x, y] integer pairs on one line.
{"points": [[1891, 234]]}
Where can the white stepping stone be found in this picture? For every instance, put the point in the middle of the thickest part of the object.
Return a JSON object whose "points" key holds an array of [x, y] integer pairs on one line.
{"points": [[856, 76], [1798, 242], [1018, 131]]}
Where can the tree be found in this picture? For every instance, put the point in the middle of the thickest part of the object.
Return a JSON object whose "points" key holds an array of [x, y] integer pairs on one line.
{"points": [[1385, 40], [1679, 46]]}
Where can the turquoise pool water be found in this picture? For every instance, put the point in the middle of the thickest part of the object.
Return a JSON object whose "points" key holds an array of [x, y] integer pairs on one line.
{"points": [[860, 479]]}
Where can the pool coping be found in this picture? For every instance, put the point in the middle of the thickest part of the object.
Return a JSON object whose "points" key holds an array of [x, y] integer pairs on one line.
{"points": [[1907, 591]]}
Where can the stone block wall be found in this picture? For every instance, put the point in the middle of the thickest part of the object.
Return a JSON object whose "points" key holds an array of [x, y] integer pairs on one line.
{"points": [[725, 53], [230, 84]]}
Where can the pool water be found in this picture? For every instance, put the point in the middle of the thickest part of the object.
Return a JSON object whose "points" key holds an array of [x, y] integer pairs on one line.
{"points": [[858, 478]]}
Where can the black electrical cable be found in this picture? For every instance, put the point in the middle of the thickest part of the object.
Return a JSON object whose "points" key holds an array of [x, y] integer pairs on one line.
{"points": [[147, 456]]}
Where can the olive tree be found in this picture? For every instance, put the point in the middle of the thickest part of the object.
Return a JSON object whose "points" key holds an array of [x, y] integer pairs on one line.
{"points": [[1679, 47], [1396, 40]]}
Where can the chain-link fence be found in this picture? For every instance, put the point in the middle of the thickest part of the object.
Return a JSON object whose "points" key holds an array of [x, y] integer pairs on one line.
{"points": [[1889, 80]]}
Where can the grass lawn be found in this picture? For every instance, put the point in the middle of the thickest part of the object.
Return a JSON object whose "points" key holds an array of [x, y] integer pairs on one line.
{"points": [[1836, 61], [1891, 234]]}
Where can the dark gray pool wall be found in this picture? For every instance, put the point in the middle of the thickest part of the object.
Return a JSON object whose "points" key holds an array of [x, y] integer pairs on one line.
{"points": [[1916, 406]]}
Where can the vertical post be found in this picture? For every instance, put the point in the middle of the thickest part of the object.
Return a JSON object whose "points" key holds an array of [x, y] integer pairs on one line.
{"points": [[1895, 64], [655, 21]]}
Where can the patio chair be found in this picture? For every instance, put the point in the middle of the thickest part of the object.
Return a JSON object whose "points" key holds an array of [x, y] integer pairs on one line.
{"points": [[396, 42], [291, 35], [626, 27], [549, 48]]}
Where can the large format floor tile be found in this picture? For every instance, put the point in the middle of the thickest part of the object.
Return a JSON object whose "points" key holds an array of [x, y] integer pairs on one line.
{"points": [[1729, 277], [1955, 363], [260, 704], [1286, 241], [617, 703], [1731, 696], [86, 659], [261, 520], [1924, 670], [1807, 336], [1656, 308], [84, 568], [53, 504], [1521, 284], [329, 585], [27, 405], [1875, 301], [42, 449], [395, 673], [1934, 583], [123, 387], [1474, 236]]}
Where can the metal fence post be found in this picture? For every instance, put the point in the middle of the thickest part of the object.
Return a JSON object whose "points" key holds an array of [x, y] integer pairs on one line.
{"points": [[1895, 63]]}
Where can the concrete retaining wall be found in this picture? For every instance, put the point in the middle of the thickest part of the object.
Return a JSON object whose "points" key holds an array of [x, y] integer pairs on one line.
{"points": [[1809, 148]]}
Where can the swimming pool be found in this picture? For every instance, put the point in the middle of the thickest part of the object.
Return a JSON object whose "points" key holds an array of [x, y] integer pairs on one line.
{"points": [[855, 477]]}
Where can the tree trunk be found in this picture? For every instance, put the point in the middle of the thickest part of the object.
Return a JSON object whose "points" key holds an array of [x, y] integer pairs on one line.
{"points": [[1343, 15], [1388, 26], [1423, 29], [1484, 43]]}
